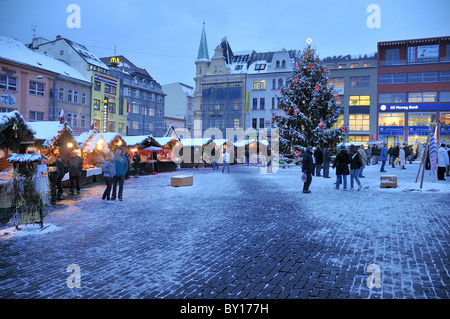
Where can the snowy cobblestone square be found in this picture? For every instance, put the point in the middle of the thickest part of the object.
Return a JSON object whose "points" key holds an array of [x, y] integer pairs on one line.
{"points": [[238, 235]]}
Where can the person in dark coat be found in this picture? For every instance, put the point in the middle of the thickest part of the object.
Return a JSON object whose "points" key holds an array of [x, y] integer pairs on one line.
{"points": [[136, 163], [75, 168], [341, 164], [355, 166], [326, 162], [318, 155], [121, 167], [307, 168], [62, 171]]}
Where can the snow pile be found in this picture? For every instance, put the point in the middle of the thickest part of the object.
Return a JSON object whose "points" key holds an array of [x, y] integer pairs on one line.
{"points": [[27, 230]]}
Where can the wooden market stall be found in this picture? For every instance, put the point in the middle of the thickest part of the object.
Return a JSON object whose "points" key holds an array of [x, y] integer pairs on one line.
{"points": [[93, 151], [166, 159]]}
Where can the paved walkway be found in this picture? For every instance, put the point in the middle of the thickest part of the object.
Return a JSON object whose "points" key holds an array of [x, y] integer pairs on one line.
{"points": [[238, 235]]}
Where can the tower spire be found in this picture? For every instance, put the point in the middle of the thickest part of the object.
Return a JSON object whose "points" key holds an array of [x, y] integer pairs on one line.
{"points": [[203, 48]]}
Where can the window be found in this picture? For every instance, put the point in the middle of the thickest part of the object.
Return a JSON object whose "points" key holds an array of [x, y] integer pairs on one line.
{"points": [[274, 84], [96, 105], [127, 91], [359, 138], [83, 98], [37, 88], [354, 65], [419, 119], [135, 93], [112, 107], [96, 124], [262, 103], [283, 64], [422, 77], [135, 125], [144, 95], [359, 81], [151, 111], [111, 126], [263, 84], [34, 116], [273, 103], [391, 119], [342, 65], [121, 126], [391, 78], [83, 121], [237, 106], [392, 98], [260, 66], [337, 83], [255, 103], [8, 83], [359, 100], [280, 83], [254, 123], [70, 95], [237, 68], [62, 93], [278, 64], [367, 64], [75, 120], [418, 97], [159, 98], [69, 118], [111, 89], [339, 122], [75, 96], [261, 122], [444, 96], [392, 56], [97, 86], [135, 109], [444, 76], [359, 122], [236, 123], [255, 85], [136, 81]]}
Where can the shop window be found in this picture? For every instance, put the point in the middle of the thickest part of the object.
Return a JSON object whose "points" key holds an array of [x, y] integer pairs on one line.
{"points": [[419, 119], [96, 105], [356, 100], [359, 139], [391, 119], [359, 122]]}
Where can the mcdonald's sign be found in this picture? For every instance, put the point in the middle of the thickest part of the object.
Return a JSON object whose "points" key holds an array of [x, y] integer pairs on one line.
{"points": [[114, 62]]}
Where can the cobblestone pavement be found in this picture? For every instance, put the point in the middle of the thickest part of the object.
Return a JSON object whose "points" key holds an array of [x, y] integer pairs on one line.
{"points": [[238, 235]]}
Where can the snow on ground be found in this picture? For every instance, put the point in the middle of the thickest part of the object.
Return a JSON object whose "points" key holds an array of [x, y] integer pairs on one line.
{"points": [[27, 230]]}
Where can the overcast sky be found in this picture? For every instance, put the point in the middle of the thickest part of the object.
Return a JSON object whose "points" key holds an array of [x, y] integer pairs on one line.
{"points": [[163, 36]]}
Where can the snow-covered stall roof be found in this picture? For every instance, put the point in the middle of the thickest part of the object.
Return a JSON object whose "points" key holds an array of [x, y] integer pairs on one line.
{"points": [[26, 158], [48, 132], [195, 141], [135, 140], [163, 141], [220, 142], [16, 51], [8, 118]]}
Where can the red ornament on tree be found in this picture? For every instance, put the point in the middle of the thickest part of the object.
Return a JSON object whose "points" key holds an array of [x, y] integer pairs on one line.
{"points": [[311, 66], [343, 128], [321, 124], [317, 88], [296, 111], [296, 80], [336, 96]]}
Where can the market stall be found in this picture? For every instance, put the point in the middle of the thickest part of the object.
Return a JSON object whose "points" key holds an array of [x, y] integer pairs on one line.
{"points": [[93, 151], [192, 148], [135, 144], [165, 159]]}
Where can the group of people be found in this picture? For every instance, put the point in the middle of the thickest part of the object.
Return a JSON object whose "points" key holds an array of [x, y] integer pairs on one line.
{"points": [[352, 161]]}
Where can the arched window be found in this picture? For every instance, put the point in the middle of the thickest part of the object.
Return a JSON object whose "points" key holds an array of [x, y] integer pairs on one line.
{"points": [[255, 85], [278, 64], [283, 64], [274, 84], [280, 83]]}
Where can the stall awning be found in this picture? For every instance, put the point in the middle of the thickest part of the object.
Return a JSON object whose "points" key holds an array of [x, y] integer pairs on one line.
{"points": [[152, 149]]}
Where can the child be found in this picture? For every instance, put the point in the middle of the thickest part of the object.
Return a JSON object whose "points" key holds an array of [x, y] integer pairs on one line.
{"points": [[109, 171]]}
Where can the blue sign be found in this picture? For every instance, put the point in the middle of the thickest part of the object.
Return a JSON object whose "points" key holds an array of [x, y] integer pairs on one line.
{"points": [[442, 132], [418, 130], [391, 130], [414, 107], [8, 99]]}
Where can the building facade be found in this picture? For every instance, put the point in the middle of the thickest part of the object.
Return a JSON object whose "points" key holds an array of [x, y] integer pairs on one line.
{"points": [[413, 85], [40, 86], [107, 114], [141, 95], [179, 105], [354, 79]]}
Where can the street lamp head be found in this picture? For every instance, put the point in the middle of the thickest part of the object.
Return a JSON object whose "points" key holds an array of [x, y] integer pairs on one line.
{"points": [[40, 76]]}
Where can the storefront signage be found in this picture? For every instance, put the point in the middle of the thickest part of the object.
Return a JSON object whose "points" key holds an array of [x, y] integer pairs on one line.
{"points": [[391, 130], [418, 130], [442, 132], [105, 79], [423, 53], [414, 107]]}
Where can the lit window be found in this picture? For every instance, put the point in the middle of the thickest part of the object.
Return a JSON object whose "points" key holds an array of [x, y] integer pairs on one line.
{"points": [[263, 84], [236, 123], [354, 65], [255, 85], [359, 100], [359, 122], [391, 119]]}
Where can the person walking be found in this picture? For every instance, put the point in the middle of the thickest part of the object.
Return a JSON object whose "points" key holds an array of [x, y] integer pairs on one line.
{"points": [[109, 170], [121, 166], [226, 160], [355, 166], [401, 157], [448, 153], [341, 164], [443, 162], [396, 154], [62, 171], [136, 163], [326, 162], [383, 157], [369, 154], [363, 155], [318, 155], [75, 168], [307, 168]]}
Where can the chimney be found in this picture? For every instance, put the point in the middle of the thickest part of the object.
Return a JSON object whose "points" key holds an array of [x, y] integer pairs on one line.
{"points": [[58, 37]]}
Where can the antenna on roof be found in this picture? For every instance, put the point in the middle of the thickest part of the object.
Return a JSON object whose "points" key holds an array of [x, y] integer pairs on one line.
{"points": [[33, 28]]}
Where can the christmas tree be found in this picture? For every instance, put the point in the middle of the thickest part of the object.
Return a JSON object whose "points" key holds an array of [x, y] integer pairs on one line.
{"points": [[309, 106]]}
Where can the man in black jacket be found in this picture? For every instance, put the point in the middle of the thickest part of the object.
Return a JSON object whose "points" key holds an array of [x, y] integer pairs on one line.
{"points": [[307, 168], [318, 155]]}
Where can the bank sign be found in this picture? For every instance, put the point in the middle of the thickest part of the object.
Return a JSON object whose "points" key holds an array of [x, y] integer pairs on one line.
{"points": [[414, 107]]}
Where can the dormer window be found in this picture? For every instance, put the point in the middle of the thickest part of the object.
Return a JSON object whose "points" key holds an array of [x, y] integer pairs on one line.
{"points": [[260, 66], [238, 67], [283, 63], [136, 80], [278, 64]]}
